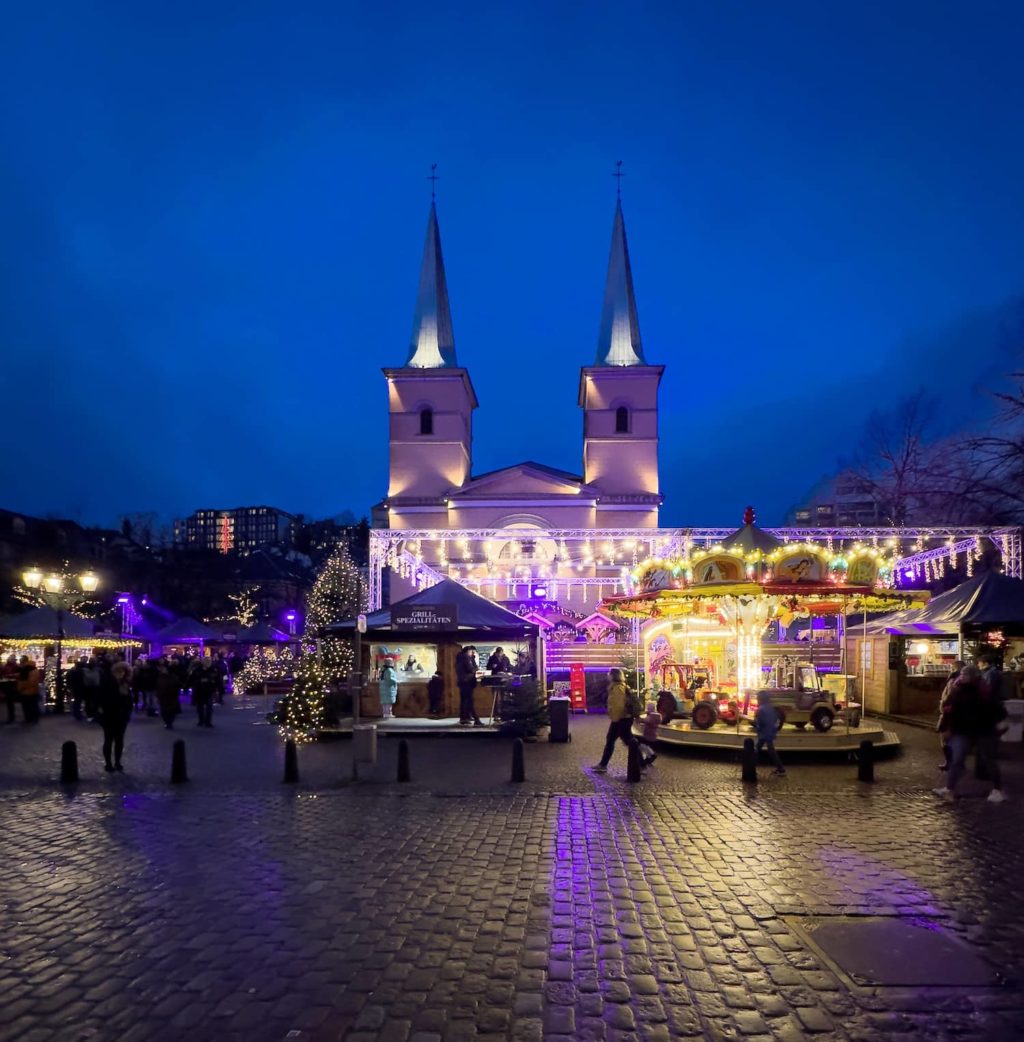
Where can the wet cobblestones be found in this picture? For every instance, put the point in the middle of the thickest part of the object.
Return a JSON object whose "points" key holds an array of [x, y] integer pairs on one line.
{"points": [[382, 913]]}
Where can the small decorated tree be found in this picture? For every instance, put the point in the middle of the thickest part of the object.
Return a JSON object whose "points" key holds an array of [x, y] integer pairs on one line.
{"points": [[337, 596]]}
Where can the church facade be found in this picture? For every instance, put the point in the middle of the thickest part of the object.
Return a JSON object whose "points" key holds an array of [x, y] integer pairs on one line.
{"points": [[527, 532]]}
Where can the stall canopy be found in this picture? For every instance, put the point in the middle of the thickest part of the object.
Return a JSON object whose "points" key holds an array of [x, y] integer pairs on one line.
{"points": [[42, 623], [989, 599], [474, 613], [185, 631], [260, 633]]}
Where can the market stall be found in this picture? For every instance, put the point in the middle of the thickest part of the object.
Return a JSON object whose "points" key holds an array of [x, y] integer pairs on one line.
{"points": [[185, 635], [425, 632], [912, 653]]}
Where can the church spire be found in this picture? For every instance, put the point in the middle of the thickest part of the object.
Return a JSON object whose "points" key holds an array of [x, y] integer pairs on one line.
{"points": [[432, 345], [618, 342]]}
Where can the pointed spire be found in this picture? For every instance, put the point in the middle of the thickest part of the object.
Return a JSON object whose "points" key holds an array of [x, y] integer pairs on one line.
{"points": [[618, 343], [432, 345]]}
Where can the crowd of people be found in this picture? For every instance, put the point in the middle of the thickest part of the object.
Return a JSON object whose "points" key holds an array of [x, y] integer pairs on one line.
{"points": [[972, 715], [107, 690]]}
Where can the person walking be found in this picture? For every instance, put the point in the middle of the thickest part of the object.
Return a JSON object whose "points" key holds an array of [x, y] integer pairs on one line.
{"points": [[91, 682], [204, 681], [622, 708], [652, 721], [387, 687], [435, 693], [167, 691], [28, 681], [943, 708], [114, 705], [767, 723], [972, 718], [76, 685], [9, 686], [465, 677]]}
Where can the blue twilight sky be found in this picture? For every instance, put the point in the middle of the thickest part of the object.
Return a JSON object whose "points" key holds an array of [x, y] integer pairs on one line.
{"points": [[213, 214]]}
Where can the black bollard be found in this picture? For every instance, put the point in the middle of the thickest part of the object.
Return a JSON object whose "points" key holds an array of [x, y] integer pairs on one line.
{"points": [[634, 771], [403, 761], [518, 762], [866, 761], [179, 772], [749, 761], [68, 763], [291, 762]]}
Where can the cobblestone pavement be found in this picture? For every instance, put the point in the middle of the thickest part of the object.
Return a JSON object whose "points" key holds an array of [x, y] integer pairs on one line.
{"points": [[462, 907]]}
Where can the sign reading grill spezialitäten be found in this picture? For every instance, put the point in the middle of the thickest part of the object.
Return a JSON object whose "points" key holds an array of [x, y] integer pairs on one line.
{"points": [[427, 617]]}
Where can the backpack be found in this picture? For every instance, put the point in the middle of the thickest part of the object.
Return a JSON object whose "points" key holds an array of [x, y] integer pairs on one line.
{"points": [[634, 707]]}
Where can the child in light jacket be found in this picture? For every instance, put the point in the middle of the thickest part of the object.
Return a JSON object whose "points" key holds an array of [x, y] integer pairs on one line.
{"points": [[652, 721]]}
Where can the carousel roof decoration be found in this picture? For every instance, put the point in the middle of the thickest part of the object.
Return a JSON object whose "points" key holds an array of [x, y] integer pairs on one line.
{"points": [[618, 342], [804, 577], [433, 343], [751, 539]]}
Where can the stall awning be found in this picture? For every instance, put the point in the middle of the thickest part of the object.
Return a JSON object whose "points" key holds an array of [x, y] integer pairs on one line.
{"points": [[474, 612], [41, 623], [185, 631]]}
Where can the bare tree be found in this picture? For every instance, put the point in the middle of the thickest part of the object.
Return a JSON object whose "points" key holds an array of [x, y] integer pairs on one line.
{"points": [[997, 456]]}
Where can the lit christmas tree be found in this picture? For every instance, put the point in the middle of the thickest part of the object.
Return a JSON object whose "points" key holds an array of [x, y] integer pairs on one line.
{"points": [[338, 595]]}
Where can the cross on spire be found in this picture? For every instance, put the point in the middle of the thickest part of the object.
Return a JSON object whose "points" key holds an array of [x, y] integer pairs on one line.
{"points": [[433, 177], [618, 175]]}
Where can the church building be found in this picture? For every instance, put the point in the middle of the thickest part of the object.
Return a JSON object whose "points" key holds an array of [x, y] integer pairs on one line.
{"points": [[527, 528]]}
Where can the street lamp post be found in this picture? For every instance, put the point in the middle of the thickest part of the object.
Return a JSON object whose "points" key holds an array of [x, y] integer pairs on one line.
{"points": [[55, 589]]}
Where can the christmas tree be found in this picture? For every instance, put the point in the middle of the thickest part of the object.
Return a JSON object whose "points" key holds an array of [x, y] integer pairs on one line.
{"points": [[338, 595]]}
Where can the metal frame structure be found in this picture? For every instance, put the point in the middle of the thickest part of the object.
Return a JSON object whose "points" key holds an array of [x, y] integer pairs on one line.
{"points": [[928, 547]]}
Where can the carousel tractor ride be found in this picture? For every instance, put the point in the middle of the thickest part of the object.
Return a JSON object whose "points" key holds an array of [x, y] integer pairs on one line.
{"points": [[703, 706]]}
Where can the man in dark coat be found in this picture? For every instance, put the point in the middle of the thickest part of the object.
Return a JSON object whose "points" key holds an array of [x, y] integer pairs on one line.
{"points": [[465, 677]]}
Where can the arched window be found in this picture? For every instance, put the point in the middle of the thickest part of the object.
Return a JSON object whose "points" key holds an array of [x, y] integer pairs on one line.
{"points": [[622, 420], [426, 420]]}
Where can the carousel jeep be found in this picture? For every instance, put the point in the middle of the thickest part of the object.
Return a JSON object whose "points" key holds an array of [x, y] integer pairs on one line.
{"points": [[806, 702]]}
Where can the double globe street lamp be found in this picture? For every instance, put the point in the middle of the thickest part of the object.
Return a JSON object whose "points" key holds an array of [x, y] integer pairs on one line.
{"points": [[58, 592]]}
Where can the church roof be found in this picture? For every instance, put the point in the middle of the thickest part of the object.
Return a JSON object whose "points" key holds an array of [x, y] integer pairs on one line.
{"points": [[523, 479], [433, 344], [618, 342]]}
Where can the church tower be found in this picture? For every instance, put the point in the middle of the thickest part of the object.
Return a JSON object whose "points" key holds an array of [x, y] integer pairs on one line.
{"points": [[619, 397], [430, 405]]}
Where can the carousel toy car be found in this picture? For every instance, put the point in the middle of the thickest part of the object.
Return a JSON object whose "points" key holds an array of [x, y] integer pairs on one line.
{"points": [[695, 702], [800, 702]]}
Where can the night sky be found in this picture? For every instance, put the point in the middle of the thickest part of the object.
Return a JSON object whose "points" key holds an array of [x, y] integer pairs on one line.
{"points": [[213, 215]]}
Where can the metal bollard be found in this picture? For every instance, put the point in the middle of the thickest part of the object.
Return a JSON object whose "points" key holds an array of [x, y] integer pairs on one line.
{"points": [[291, 762], [866, 761], [68, 763], [518, 761], [403, 761], [179, 772], [749, 762], [634, 770]]}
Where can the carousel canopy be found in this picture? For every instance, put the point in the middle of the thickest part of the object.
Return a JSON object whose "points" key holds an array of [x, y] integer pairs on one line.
{"points": [[474, 612], [42, 623], [185, 631], [749, 538]]}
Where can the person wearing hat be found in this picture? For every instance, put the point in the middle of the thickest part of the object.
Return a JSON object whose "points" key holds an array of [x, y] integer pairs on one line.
{"points": [[465, 677]]}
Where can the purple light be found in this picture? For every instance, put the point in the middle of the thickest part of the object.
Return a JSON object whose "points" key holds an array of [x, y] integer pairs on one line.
{"points": [[290, 616], [145, 600], [123, 599]]}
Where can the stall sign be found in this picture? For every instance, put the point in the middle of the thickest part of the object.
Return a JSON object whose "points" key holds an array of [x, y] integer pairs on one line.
{"points": [[578, 687], [425, 617]]}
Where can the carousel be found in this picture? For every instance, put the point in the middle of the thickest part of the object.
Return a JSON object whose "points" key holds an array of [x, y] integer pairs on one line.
{"points": [[724, 624]]}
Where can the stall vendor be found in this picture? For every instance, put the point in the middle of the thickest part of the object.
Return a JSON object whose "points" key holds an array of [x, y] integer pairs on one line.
{"points": [[499, 662]]}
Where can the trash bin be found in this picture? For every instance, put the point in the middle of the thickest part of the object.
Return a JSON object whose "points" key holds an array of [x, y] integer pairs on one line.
{"points": [[558, 716], [1015, 718], [364, 743]]}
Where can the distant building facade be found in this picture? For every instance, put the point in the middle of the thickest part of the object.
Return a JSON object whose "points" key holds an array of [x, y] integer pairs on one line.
{"points": [[845, 500], [239, 530]]}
